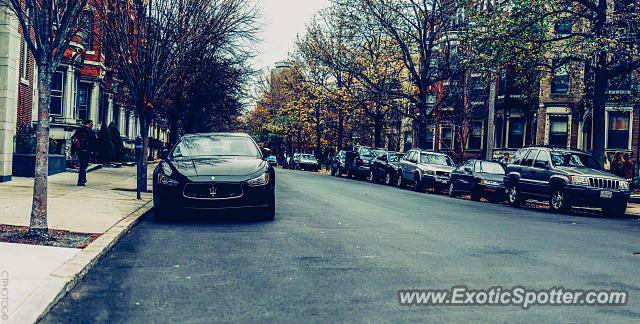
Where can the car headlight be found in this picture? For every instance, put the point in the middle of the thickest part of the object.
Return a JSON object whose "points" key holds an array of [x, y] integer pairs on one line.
{"points": [[624, 185], [489, 182], [260, 180], [579, 180], [165, 180], [166, 169], [429, 172]]}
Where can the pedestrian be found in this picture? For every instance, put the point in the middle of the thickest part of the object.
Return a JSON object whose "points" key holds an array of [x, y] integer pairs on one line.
{"points": [[607, 164], [82, 144], [617, 165], [505, 159], [628, 167]]}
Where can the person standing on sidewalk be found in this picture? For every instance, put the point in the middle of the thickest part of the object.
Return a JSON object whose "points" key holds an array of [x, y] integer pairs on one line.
{"points": [[607, 164], [82, 142], [628, 167], [617, 165]]}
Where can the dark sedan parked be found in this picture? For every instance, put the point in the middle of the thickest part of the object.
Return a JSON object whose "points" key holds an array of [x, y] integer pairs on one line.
{"points": [[385, 166], [212, 172], [480, 178]]}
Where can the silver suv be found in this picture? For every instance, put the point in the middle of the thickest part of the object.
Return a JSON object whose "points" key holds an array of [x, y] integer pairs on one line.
{"points": [[425, 169]]}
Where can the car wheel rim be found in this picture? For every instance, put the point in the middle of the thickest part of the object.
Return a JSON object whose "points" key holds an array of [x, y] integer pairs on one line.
{"points": [[399, 182], [371, 176], [558, 199], [512, 194], [387, 178], [451, 188]]}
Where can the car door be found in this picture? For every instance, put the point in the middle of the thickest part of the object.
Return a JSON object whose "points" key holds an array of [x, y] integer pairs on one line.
{"points": [[526, 172], [466, 178], [457, 176], [378, 165], [540, 174]]}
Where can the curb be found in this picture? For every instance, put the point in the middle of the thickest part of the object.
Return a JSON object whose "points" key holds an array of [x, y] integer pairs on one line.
{"points": [[64, 278]]}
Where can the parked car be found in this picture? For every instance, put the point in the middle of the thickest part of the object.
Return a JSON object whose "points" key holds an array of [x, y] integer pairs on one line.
{"points": [[272, 159], [338, 163], [359, 160], [212, 172], [564, 178], [307, 162], [386, 167], [425, 169], [479, 178], [293, 161]]}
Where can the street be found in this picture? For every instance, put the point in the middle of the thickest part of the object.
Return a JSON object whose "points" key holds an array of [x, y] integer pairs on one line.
{"points": [[339, 250]]}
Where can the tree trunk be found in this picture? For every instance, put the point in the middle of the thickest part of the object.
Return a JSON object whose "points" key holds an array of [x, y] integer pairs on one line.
{"points": [[318, 148], [377, 131], [599, 103], [38, 223], [144, 131], [340, 129], [490, 120]]}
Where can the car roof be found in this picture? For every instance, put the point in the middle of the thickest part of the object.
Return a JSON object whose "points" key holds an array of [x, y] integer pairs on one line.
{"points": [[431, 152], [218, 134], [554, 149]]}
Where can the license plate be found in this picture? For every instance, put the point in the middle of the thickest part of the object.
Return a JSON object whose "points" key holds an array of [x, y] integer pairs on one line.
{"points": [[442, 180], [605, 194]]}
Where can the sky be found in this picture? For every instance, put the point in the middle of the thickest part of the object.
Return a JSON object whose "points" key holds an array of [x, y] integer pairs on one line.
{"points": [[282, 22]]}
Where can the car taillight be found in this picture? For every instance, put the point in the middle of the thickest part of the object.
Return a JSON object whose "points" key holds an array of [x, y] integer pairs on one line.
{"points": [[481, 181]]}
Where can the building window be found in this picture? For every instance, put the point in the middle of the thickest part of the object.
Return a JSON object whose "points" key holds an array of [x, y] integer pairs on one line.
{"points": [[558, 131], [477, 88], [563, 27], [83, 102], [498, 132], [86, 28], [408, 141], [446, 138], [618, 137], [57, 93], [430, 101], [560, 81], [475, 136], [429, 143], [516, 132]]}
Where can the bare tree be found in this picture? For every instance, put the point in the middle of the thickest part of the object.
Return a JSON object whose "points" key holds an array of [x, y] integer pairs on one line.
{"points": [[48, 28], [149, 43]]}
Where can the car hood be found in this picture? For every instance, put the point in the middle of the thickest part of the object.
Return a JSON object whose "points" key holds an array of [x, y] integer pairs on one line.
{"points": [[223, 168], [587, 172]]}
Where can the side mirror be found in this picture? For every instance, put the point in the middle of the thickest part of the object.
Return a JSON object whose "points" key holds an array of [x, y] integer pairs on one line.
{"points": [[164, 154], [467, 169], [266, 152]]}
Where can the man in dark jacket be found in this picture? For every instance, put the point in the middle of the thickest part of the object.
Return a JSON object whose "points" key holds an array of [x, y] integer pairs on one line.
{"points": [[83, 142]]}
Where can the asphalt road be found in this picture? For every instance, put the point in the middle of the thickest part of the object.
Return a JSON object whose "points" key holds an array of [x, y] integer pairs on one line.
{"points": [[339, 250]]}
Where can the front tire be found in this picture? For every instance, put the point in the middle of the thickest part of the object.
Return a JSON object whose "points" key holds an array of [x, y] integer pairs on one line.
{"points": [[387, 178], [475, 193], [452, 191], [616, 210], [514, 197], [400, 181], [559, 202], [372, 177], [417, 183]]}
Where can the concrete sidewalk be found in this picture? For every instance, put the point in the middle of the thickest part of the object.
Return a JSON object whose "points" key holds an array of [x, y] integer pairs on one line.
{"points": [[36, 276]]}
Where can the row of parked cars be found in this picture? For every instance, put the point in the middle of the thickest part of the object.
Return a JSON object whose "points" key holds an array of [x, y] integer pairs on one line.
{"points": [[562, 177]]}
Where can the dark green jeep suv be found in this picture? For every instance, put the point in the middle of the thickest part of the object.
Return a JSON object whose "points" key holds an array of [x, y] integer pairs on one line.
{"points": [[564, 178]]}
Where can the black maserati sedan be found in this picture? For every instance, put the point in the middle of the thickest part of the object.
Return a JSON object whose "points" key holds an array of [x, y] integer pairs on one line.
{"points": [[214, 172], [479, 178]]}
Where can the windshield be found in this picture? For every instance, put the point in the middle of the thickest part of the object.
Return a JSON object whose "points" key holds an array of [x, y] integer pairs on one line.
{"points": [[490, 167], [368, 152], [215, 145], [574, 160], [437, 159]]}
